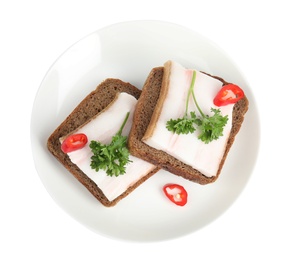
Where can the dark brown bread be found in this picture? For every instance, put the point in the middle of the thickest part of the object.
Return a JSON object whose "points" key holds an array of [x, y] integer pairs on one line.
{"points": [[144, 110], [92, 104]]}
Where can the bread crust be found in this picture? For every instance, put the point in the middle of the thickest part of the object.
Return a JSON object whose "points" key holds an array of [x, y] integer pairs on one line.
{"points": [[159, 104], [145, 109], [91, 105]]}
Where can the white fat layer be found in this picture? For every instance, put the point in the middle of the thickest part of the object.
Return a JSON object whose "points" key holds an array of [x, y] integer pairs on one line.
{"points": [[188, 148], [102, 128]]}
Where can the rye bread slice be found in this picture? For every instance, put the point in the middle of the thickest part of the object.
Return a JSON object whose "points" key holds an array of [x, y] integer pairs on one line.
{"points": [[144, 111], [91, 105]]}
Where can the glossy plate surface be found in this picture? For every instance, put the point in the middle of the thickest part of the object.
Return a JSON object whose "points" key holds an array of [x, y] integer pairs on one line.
{"points": [[129, 51]]}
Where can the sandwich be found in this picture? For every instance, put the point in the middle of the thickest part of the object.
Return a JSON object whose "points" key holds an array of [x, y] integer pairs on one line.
{"points": [[183, 121], [171, 125], [104, 114]]}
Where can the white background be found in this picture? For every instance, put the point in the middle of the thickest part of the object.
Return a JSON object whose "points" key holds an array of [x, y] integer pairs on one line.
{"points": [[260, 36]]}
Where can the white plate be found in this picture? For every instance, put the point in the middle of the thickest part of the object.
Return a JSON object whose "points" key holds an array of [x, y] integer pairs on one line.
{"points": [[128, 51]]}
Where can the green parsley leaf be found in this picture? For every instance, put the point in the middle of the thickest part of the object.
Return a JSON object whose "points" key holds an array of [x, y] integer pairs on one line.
{"points": [[113, 157], [211, 127], [184, 125]]}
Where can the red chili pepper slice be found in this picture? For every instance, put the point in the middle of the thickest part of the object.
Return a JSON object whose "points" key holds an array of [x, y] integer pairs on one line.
{"points": [[74, 142], [176, 193], [228, 94]]}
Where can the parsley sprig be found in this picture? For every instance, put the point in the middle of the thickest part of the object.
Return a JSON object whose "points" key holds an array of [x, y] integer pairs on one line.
{"points": [[111, 157], [211, 127]]}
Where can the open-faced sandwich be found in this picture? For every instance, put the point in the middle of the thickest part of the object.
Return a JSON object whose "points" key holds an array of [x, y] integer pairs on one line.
{"points": [[186, 121], [92, 143]]}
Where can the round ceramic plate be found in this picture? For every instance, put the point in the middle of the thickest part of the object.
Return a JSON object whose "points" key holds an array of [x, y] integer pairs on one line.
{"points": [[129, 51]]}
